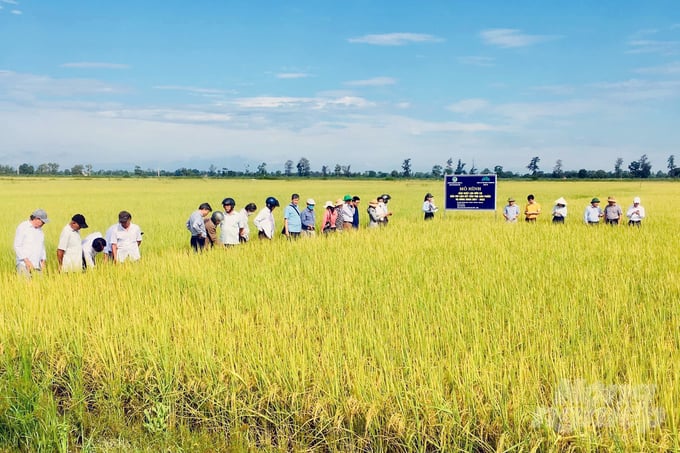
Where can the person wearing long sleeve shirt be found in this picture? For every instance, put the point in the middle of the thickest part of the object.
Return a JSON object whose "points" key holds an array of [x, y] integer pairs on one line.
{"points": [[635, 213], [593, 212], [29, 244], [196, 226]]}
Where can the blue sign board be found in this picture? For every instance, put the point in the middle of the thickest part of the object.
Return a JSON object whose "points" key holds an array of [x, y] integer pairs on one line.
{"points": [[470, 192]]}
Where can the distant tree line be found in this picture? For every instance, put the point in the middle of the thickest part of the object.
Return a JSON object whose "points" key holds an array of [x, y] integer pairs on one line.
{"points": [[640, 168]]}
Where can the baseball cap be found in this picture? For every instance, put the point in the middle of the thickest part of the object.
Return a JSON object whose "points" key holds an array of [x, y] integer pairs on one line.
{"points": [[40, 214], [80, 220], [347, 197], [595, 200]]}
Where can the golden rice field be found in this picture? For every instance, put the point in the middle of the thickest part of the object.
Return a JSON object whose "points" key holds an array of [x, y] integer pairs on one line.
{"points": [[461, 334]]}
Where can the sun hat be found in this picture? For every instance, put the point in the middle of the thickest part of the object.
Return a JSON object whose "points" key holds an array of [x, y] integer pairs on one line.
{"points": [[80, 220], [511, 199], [636, 200], [311, 201], [561, 201], [595, 200], [611, 199], [40, 214], [339, 202], [328, 204], [373, 203], [347, 197]]}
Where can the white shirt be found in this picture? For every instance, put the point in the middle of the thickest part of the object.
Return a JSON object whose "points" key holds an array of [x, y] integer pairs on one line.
{"points": [[381, 210], [348, 213], [244, 220], [230, 228], [559, 211], [70, 243], [636, 213], [265, 222], [109, 235], [88, 252], [29, 242], [126, 242]]}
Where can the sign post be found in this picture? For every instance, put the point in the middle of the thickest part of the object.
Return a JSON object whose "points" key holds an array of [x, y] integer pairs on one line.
{"points": [[470, 192]]}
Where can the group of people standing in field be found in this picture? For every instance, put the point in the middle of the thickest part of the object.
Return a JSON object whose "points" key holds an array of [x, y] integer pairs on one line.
{"points": [[612, 214], [121, 243], [234, 228]]}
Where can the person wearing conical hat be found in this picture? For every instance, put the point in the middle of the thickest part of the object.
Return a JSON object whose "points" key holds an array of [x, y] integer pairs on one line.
{"points": [[373, 216], [559, 212], [612, 212]]}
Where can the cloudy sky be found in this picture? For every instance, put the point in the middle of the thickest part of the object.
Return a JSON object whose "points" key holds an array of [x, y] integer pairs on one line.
{"points": [[355, 82]]}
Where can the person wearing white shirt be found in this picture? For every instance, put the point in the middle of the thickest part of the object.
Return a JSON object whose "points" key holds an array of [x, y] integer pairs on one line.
{"points": [[92, 244], [428, 206], [29, 244], [593, 212], [126, 239], [383, 212], [559, 212], [109, 234], [245, 213], [635, 213], [70, 248], [231, 227], [264, 222]]}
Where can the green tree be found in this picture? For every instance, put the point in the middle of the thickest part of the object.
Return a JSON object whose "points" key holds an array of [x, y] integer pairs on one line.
{"points": [[406, 166], [533, 165]]}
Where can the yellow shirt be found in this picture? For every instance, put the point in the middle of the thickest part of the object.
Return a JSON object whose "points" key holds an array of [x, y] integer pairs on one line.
{"points": [[532, 211]]}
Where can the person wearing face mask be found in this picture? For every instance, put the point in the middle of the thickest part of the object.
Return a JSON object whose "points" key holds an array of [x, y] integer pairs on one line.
{"points": [[308, 219]]}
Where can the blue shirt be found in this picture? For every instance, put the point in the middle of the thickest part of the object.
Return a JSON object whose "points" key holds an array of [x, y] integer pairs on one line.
{"points": [[511, 212], [292, 214], [307, 218], [355, 219]]}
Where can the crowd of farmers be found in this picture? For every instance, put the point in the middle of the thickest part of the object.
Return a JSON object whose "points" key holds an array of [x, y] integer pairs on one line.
{"points": [[122, 240], [594, 214], [338, 216], [121, 243]]}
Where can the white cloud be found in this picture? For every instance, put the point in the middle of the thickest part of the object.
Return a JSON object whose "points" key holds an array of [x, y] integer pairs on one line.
{"points": [[374, 82], [16, 12], [190, 89], [9, 2], [667, 69], [640, 90], [403, 105], [28, 86], [474, 60], [167, 115], [509, 37], [636, 46], [394, 39], [302, 103], [467, 106], [292, 75], [94, 65]]}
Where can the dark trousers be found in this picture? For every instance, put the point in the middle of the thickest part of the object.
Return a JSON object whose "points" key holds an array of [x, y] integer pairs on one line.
{"points": [[611, 221], [636, 223], [197, 243], [429, 215], [558, 219]]}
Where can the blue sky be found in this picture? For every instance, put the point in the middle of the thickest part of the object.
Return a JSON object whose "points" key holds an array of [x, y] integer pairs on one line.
{"points": [[360, 83]]}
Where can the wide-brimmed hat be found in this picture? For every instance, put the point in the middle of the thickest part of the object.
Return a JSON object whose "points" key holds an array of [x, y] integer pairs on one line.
{"points": [[611, 199], [511, 199], [339, 202], [636, 200], [561, 201], [328, 204], [373, 203], [311, 201]]}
